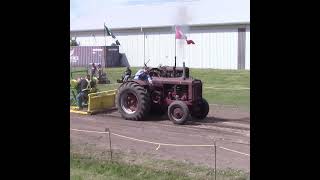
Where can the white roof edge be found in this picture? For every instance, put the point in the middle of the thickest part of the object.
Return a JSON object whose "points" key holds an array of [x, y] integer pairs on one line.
{"points": [[165, 26]]}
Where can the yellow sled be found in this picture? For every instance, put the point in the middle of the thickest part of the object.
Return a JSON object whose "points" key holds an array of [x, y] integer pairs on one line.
{"points": [[98, 102]]}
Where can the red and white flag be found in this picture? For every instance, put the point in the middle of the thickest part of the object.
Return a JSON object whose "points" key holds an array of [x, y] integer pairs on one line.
{"points": [[181, 35]]}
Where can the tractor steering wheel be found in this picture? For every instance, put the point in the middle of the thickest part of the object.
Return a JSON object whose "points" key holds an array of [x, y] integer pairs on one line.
{"points": [[155, 72]]}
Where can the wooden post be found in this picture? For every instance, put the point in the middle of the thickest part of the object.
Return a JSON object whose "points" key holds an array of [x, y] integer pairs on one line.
{"points": [[215, 160], [110, 148]]}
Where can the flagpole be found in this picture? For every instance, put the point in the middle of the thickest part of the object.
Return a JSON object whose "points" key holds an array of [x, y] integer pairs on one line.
{"points": [[95, 41], [104, 34], [144, 47], [175, 47], [175, 43], [175, 53]]}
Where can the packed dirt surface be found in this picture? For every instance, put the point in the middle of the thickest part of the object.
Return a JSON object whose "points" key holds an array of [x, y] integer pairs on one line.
{"points": [[229, 126]]}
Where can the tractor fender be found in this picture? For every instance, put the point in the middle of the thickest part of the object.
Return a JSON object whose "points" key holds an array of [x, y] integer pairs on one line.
{"points": [[141, 83]]}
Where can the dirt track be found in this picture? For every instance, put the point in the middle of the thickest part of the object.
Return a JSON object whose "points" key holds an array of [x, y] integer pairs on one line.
{"points": [[230, 126]]}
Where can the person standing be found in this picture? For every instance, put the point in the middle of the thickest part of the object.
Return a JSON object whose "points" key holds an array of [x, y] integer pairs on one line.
{"points": [[127, 74], [83, 88], [93, 70]]}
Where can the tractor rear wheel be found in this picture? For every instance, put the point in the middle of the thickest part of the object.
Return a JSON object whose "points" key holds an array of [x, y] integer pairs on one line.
{"points": [[178, 112], [133, 101], [201, 109]]}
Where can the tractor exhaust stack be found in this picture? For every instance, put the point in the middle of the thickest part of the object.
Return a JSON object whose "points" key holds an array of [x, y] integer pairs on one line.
{"points": [[184, 71]]}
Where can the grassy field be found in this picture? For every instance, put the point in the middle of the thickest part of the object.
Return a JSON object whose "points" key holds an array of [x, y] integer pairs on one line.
{"points": [[225, 87], [86, 167]]}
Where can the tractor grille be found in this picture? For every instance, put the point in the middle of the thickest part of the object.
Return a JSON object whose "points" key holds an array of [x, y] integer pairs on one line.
{"points": [[197, 90]]}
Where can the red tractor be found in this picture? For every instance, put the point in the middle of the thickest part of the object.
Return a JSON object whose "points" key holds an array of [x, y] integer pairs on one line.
{"points": [[172, 90]]}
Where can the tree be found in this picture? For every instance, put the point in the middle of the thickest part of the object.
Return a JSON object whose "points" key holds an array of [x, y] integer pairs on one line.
{"points": [[73, 42]]}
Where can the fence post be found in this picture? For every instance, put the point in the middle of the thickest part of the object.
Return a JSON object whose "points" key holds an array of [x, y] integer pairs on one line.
{"points": [[108, 130], [215, 160]]}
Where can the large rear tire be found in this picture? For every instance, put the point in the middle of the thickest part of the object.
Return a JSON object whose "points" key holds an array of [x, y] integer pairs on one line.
{"points": [[201, 109], [178, 112], [133, 101]]}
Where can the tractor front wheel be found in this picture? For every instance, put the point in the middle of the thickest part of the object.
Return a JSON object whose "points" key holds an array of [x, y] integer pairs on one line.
{"points": [[200, 110], [178, 112]]}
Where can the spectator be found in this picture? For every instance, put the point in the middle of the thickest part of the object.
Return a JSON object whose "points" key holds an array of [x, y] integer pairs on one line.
{"points": [[127, 74], [93, 70], [83, 87]]}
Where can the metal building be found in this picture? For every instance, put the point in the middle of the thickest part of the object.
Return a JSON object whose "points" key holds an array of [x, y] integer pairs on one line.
{"points": [[216, 46], [221, 35]]}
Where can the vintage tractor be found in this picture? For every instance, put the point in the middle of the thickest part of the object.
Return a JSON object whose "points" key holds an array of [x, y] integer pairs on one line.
{"points": [[172, 90], [161, 71]]}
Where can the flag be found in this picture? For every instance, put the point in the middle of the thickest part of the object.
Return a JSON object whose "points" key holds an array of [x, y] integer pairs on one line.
{"points": [[181, 35], [109, 33], [107, 30], [190, 41]]}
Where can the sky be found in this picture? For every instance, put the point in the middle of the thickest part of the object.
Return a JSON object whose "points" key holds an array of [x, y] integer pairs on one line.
{"points": [[92, 14]]}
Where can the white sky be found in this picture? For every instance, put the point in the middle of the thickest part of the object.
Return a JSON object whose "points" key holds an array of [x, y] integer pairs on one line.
{"points": [[91, 14]]}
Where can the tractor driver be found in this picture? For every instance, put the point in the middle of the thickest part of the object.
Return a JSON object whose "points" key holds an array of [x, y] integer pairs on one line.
{"points": [[143, 75], [83, 88]]}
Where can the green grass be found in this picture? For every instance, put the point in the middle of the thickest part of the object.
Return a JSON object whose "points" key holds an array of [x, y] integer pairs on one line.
{"points": [[225, 87], [86, 167]]}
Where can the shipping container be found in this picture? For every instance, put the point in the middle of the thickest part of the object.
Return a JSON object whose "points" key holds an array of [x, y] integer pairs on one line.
{"points": [[83, 56]]}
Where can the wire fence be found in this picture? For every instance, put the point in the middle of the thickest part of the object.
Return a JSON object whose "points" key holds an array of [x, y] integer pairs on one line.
{"points": [[158, 144]]}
